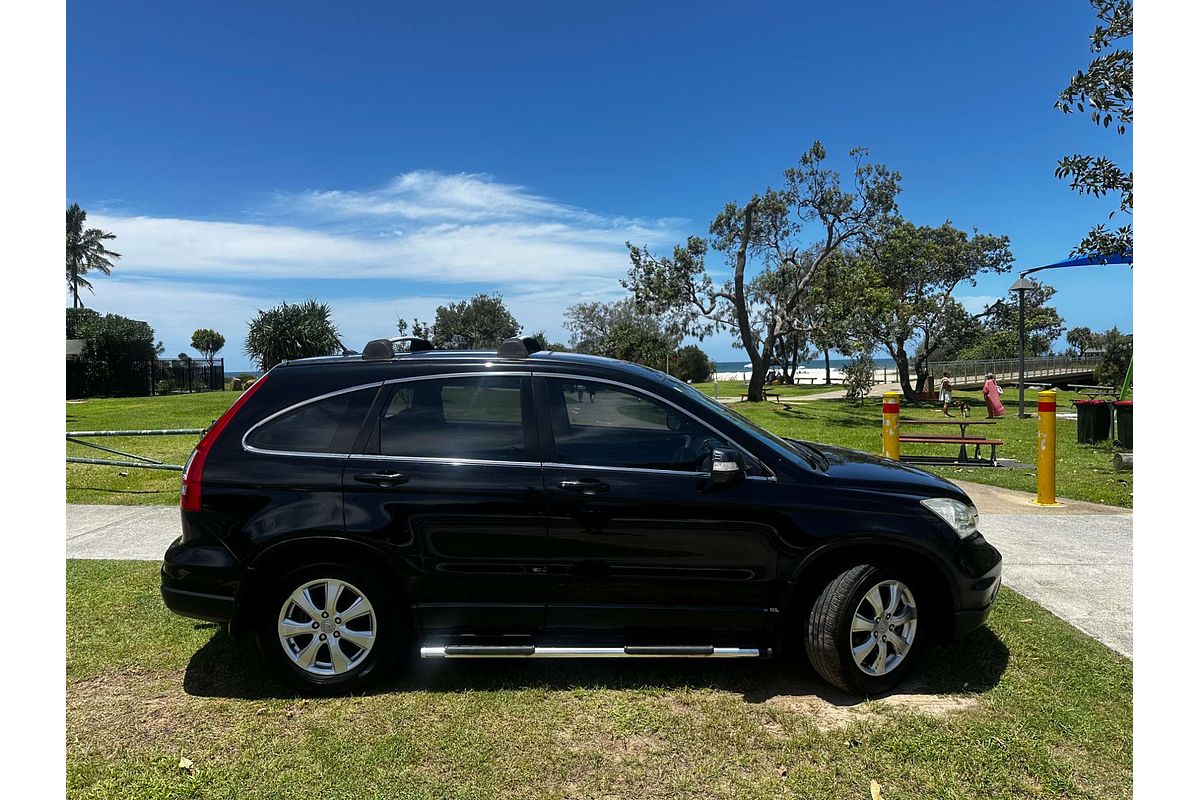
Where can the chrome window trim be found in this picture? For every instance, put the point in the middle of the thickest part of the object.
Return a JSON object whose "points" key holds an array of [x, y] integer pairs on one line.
{"points": [[560, 375], [443, 460], [375, 385]]}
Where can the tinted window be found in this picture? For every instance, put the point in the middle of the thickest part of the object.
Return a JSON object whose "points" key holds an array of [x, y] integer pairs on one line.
{"points": [[477, 418], [597, 424], [324, 426]]}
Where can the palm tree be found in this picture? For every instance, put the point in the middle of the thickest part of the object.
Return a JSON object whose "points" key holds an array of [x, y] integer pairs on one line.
{"points": [[85, 251]]}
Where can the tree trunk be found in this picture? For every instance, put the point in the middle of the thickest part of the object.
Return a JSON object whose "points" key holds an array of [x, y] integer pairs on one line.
{"points": [[828, 379], [901, 358], [758, 374]]}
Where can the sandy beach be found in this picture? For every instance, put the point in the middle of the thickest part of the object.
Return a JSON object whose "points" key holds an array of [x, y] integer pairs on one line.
{"points": [[809, 375]]}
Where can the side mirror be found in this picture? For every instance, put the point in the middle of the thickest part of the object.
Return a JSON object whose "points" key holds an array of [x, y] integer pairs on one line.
{"points": [[728, 466]]}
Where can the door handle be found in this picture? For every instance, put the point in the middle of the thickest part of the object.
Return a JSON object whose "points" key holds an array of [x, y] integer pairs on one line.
{"points": [[384, 479], [586, 486]]}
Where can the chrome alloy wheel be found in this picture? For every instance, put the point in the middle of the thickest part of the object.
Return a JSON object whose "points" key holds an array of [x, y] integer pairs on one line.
{"points": [[884, 628], [327, 627]]}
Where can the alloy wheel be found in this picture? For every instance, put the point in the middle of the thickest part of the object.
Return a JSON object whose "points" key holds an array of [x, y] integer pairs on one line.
{"points": [[884, 628], [327, 627]]}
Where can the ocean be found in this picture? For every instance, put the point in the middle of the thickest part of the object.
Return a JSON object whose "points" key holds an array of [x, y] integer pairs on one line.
{"points": [[819, 363]]}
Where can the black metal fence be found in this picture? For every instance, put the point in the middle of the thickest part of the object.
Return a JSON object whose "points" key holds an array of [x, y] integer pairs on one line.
{"points": [[89, 378]]}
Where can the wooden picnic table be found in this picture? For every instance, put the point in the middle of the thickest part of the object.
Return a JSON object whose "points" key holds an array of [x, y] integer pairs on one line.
{"points": [[776, 395], [1092, 392], [963, 437]]}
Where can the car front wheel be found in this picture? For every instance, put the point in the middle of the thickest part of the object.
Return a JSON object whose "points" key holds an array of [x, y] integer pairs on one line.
{"points": [[863, 630], [328, 628]]}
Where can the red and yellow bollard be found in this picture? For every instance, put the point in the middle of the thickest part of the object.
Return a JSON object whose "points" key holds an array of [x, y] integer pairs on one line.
{"points": [[1047, 406], [891, 425]]}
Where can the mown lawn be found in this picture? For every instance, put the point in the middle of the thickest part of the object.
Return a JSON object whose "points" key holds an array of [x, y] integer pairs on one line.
{"points": [[88, 483], [1025, 708], [736, 389], [1084, 472]]}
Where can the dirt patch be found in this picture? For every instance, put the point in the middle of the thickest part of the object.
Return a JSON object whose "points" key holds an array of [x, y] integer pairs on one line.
{"points": [[828, 710]]}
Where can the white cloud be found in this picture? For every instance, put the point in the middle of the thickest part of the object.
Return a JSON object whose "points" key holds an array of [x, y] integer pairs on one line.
{"points": [[422, 226], [976, 303]]}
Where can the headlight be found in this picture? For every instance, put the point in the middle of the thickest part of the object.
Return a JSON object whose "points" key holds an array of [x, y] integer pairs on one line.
{"points": [[964, 519]]}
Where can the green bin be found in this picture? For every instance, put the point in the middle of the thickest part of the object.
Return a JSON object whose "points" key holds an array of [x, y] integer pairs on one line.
{"points": [[1124, 410], [1094, 421]]}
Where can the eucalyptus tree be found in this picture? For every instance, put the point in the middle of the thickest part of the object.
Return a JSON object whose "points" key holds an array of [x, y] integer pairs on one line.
{"points": [[1105, 89], [905, 282], [85, 252], [770, 261]]}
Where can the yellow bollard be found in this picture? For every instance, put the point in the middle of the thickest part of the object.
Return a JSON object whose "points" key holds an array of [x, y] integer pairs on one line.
{"points": [[1047, 406], [891, 425]]}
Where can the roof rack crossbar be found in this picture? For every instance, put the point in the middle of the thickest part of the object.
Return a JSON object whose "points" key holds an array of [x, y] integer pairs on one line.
{"points": [[385, 349], [518, 347]]}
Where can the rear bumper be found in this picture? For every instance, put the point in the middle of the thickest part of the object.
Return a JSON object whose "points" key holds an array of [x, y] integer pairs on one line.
{"points": [[200, 581]]}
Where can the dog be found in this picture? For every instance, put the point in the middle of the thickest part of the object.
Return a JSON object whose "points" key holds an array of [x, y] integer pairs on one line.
{"points": [[964, 408]]}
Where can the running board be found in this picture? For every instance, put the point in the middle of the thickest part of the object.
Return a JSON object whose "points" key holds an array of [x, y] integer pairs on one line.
{"points": [[532, 651]]}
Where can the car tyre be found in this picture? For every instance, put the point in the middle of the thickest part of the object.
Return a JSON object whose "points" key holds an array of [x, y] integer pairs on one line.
{"points": [[862, 633], [329, 628]]}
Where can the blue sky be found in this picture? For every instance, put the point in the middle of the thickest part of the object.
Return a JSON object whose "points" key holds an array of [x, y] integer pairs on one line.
{"points": [[388, 157]]}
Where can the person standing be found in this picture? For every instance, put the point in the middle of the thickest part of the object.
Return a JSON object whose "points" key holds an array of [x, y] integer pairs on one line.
{"points": [[946, 393], [991, 394]]}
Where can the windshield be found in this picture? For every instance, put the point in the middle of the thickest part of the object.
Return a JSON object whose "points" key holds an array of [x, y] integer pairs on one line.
{"points": [[787, 447]]}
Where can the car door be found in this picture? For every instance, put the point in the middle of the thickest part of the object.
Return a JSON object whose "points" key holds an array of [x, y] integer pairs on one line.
{"points": [[640, 540], [446, 476]]}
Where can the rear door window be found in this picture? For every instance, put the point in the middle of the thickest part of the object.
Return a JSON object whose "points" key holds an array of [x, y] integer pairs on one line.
{"points": [[328, 425], [476, 417]]}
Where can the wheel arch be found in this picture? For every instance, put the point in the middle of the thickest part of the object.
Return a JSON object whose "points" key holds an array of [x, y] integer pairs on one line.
{"points": [[278, 557], [822, 565]]}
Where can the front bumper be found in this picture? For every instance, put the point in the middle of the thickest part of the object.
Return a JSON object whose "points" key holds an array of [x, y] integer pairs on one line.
{"points": [[200, 581], [981, 560]]}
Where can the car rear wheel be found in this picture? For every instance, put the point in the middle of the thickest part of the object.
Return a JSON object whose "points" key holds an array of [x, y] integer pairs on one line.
{"points": [[863, 630], [329, 628]]}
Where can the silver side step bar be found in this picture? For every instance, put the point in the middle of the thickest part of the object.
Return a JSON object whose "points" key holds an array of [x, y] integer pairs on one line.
{"points": [[538, 651]]}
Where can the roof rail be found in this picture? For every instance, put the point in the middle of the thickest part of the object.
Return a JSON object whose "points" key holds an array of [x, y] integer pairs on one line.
{"points": [[518, 347], [385, 349]]}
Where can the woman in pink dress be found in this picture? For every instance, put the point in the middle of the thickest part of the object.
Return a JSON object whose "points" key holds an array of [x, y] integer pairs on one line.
{"points": [[991, 393]]}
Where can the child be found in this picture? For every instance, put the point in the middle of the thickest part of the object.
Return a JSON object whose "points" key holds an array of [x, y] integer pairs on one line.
{"points": [[946, 393]]}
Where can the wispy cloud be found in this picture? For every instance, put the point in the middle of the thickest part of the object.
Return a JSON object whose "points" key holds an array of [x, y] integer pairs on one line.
{"points": [[419, 241]]}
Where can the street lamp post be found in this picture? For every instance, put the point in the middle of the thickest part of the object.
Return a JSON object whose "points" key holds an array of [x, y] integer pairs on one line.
{"points": [[1021, 286]]}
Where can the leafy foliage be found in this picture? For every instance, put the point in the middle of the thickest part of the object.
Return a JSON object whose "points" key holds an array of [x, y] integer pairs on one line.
{"points": [[691, 364], [481, 323], [292, 330], [620, 330], [766, 236], [1082, 339], [116, 350], [905, 279], [85, 252], [1116, 351], [859, 376], [1106, 88], [207, 343], [1000, 335]]}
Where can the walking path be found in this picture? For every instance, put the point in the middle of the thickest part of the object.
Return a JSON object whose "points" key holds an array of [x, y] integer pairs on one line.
{"points": [[833, 394], [1075, 560]]}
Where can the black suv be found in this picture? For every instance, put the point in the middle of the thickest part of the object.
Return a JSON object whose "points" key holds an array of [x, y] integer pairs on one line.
{"points": [[539, 504]]}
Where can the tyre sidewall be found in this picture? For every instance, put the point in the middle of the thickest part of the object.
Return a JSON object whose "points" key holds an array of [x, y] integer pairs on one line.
{"points": [[859, 680], [389, 632]]}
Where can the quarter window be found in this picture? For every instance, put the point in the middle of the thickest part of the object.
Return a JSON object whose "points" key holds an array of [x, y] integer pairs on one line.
{"points": [[597, 424], [329, 425], [471, 418]]}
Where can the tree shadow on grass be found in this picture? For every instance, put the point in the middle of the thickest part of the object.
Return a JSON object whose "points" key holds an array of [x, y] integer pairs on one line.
{"points": [[234, 668]]}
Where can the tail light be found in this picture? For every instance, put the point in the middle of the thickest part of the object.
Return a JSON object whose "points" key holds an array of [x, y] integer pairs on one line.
{"points": [[193, 470]]}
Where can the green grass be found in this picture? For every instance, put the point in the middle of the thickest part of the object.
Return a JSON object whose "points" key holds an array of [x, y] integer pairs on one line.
{"points": [[88, 483], [1084, 472], [1025, 708]]}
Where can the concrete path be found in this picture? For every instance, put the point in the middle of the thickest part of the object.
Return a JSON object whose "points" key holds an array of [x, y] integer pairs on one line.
{"points": [[140, 533], [833, 394], [1075, 560]]}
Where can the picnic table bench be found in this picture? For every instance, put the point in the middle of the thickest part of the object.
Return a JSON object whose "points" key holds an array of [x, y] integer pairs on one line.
{"points": [[1092, 392], [776, 395], [962, 440]]}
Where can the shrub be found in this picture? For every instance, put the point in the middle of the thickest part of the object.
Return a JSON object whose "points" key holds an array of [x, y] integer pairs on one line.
{"points": [[859, 376], [691, 364], [291, 330]]}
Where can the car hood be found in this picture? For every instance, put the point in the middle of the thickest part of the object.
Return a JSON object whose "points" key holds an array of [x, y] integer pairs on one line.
{"points": [[859, 469]]}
